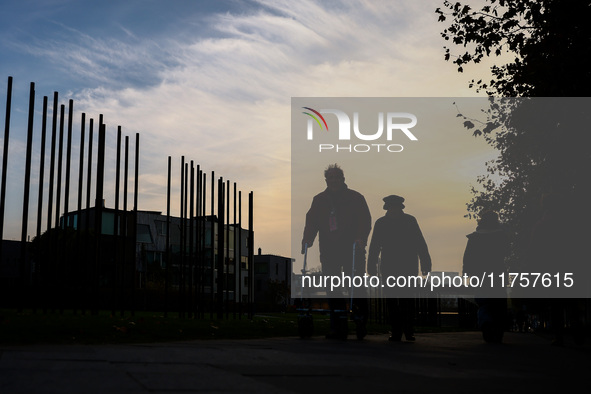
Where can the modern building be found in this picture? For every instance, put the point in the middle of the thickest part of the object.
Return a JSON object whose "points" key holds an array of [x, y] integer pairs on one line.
{"points": [[189, 264], [272, 281]]}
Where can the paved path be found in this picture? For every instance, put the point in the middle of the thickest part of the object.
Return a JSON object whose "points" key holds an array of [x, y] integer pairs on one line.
{"points": [[435, 363]]}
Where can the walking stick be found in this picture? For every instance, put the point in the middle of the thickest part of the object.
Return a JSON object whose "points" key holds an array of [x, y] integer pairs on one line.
{"points": [[305, 322]]}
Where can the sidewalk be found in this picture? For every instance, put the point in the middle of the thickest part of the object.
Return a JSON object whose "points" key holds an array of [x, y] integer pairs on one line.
{"points": [[435, 363]]}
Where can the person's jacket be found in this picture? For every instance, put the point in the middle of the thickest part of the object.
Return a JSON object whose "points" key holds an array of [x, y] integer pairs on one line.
{"points": [[400, 243], [339, 218], [485, 252]]}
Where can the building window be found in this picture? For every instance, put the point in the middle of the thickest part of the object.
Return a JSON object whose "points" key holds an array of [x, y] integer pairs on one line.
{"points": [[143, 234], [261, 268]]}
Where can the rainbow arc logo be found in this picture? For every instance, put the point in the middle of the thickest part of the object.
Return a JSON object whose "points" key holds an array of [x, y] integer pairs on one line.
{"points": [[316, 118]]}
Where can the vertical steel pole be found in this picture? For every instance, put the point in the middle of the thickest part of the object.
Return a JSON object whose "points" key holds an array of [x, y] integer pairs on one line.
{"points": [[59, 168], [23, 259], [58, 279], [125, 173], [50, 221], [117, 176], [52, 163], [251, 253], [129, 242], [98, 217], [5, 162], [204, 249], [89, 174], [198, 249], [227, 253], [240, 252], [67, 272], [135, 209], [41, 167], [39, 268], [184, 252], [213, 250], [117, 224], [182, 240], [79, 248], [81, 170], [220, 265], [236, 258], [87, 258], [191, 234], [167, 267], [68, 163]]}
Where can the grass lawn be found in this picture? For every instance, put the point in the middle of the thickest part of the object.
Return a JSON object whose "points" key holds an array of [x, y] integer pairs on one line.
{"points": [[30, 327]]}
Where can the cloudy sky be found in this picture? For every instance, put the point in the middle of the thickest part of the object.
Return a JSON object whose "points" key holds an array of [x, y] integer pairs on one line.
{"points": [[213, 81]]}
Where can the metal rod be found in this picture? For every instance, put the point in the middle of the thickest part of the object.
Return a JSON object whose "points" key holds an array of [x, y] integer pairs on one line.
{"points": [[135, 211], [184, 250], [240, 252], [116, 220], [5, 162], [39, 268], [81, 169], [98, 214], [167, 267], [204, 249], [41, 167], [89, 174], [79, 248], [212, 242], [52, 162], [124, 230], [87, 263], [125, 173], [198, 248], [100, 169], [59, 168], [137, 173], [220, 249], [236, 258], [251, 254], [182, 240], [227, 252], [58, 256], [68, 163], [23, 257], [191, 244], [117, 174], [67, 271]]}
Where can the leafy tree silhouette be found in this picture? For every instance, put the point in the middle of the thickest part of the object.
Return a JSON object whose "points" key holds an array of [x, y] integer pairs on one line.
{"points": [[548, 40], [542, 143]]}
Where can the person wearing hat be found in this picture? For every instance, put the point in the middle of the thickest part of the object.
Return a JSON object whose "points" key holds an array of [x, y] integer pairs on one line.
{"points": [[397, 245], [341, 218]]}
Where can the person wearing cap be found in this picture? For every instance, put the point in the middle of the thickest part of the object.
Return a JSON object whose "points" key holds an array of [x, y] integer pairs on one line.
{"points": [[397, 246], [341, 218]]}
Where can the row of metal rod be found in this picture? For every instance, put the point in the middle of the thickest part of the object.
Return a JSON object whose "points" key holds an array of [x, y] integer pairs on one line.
{"points": [[193, 207]]}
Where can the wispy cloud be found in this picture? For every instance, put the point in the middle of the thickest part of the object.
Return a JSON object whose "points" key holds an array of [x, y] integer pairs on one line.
{"points": [[221, 96]]}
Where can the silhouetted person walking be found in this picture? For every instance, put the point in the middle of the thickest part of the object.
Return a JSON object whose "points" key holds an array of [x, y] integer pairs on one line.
{"points": [[556, 247], [485, 254], [341, 218], [398, 242]]}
